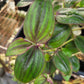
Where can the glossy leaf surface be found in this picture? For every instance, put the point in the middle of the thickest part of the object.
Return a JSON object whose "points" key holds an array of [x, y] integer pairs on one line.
{"points": [[39, 22], [29, 65], [79, 42], [17, 47], [61, 34], [62, 63], [75, 63]]}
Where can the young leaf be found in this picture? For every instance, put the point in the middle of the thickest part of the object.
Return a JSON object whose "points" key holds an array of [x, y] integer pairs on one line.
{"points": [[23, 3], [75, 63], [17, 47], [82, 3], [71, 19], [29, 65], [79, 42], [61, 62], [67, 77], [61, 34]]}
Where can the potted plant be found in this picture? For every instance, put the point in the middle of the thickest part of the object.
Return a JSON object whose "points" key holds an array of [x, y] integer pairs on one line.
{"points": [[53, 38]]}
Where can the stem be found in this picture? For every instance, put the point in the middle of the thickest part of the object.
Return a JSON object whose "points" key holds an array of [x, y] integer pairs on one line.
{"points": [[76, 53], [4, 48], [3, 64], [77, 29], [50, 50], [67, 42], [54, 49]]}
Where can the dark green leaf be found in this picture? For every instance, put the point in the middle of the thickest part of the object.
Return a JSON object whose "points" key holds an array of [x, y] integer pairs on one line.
{"points": [[71, 19], [39, 22], [70, 49], [69, 3], [50, 67], [75, 63], [79, 42], [29, 65], [23, 3], [62, 63], [61, 34], [17, 47], [56, 7]]}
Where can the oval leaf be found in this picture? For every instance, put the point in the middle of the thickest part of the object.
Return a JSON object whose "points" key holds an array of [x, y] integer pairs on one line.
{"points": [[62, 63], [39, 22], [17, 47], [75, 63], [29, 65], [79, 42], [70, 19], [61, 34]]}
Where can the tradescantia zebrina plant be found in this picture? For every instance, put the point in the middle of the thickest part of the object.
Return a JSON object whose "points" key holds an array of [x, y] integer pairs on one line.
{"points": [[53, 38]]}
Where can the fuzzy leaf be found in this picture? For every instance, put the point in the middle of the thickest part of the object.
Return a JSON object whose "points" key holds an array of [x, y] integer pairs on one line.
{"points": [[79, 42], [17, 47], [62, 63]]}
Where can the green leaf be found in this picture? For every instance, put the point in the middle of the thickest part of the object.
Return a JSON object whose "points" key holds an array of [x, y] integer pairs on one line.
{"points": [[79, 42], [82, 3], [60, 35], [23, 3], [69, 3], [50, 67], [69, 49], [67, 77], [61, 62], [75, 63], [56, 7], [39, 22], [67, 11], [29, 65], [40, 80], [71, 19], [47, 57], [17, 47]]}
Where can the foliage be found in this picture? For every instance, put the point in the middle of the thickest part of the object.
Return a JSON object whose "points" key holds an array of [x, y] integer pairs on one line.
{"points": [[50, 41]]}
